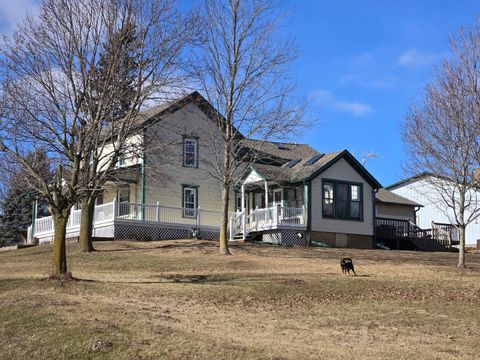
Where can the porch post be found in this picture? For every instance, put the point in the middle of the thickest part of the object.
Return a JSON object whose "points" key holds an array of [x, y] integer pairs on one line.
{"points": [[266, 194], [243, 197], [198, 217], [157, 215], [244, 216], [266, 200], [114, 204]]}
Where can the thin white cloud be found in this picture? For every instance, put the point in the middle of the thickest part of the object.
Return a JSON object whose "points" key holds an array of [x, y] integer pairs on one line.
{"points": [[363, 80], [325, 98], [414, 58], [13, 10]]}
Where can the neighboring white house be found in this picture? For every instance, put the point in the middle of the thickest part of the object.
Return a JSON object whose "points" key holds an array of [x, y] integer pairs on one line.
{"points": [[419, 189]]}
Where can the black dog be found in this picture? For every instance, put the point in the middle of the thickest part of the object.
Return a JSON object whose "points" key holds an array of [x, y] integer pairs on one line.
{"points": [[347, 265]]}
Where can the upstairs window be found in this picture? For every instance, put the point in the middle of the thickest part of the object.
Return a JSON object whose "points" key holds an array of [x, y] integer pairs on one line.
{"points": [[342, 200], [190, 152], [121, 161]]}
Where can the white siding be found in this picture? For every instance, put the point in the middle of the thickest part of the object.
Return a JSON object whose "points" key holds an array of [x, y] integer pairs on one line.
{"points": [[433, 209], [253, 177], [341, 171]]}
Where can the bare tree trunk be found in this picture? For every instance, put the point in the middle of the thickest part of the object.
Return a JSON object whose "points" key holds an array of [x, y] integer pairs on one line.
{"points": [[59, 264], [461, 252], [86, 225], [224, 224]]}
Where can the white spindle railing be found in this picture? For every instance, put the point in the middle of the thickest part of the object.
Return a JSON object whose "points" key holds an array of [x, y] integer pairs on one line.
{"points": [[104, 212], [236, 224], [75, 218], [44, 225], [258, 219]]}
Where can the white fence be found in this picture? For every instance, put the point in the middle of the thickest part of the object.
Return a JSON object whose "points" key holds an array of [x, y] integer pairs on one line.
{"points": [[134, 212]]}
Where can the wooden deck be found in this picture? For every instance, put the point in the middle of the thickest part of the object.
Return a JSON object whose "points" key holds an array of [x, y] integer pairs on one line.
{"points": [[404, 235]]}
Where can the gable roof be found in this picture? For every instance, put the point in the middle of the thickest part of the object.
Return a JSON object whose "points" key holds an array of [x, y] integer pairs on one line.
{"points": [[303, 171], [408, 180], [154, 114], [388, 197]]}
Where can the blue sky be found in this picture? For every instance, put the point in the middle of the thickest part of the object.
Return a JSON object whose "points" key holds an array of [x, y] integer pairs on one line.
{"points": [[361, 64]]}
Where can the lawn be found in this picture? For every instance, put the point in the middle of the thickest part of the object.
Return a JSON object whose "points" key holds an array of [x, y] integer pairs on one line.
{"points": [[180, 300]]}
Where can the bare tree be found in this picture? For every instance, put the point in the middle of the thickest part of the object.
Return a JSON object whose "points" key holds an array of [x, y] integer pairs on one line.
{"points": [[50, 99], [242, 68], [442, 137], [116, 82]]}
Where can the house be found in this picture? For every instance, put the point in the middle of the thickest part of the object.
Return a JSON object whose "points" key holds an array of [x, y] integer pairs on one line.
{"points": [[291, 194], [434, 214], [325, 199]]}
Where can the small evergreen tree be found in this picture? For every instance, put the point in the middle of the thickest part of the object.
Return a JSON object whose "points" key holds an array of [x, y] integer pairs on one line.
{"points": [[17, 205]]}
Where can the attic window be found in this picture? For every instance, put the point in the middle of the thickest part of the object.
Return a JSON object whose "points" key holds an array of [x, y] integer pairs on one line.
{"points": [[292, 163], [313, 159], [282, 147]]}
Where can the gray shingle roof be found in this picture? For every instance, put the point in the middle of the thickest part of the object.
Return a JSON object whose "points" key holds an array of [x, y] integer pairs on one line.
{"points": [[299, 172], [282, 150], [389, 197], [304, 170]]}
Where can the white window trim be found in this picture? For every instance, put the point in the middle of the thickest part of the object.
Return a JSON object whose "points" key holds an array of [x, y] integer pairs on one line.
{"points": [[186, 211]]}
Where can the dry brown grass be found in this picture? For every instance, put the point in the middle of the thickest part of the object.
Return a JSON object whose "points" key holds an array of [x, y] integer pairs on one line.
{"points": [[180, 300]]}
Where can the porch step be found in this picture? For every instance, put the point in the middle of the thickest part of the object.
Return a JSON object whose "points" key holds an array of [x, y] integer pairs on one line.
{"points": [[250, 236]]}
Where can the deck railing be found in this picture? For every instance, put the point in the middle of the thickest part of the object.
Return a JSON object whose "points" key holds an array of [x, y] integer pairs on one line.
{"points": [[398, 230], [193, 217], [267, 219]]}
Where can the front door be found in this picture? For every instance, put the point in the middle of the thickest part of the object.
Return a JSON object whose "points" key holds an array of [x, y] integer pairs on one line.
{"points": [[277, 197]]}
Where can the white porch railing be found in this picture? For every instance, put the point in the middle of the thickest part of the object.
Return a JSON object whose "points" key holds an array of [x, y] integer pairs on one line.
{"points": [[267, 219], [134, 212]]}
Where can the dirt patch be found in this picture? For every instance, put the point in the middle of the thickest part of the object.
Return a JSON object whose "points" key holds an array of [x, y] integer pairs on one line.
{"points": [[97, 345]]}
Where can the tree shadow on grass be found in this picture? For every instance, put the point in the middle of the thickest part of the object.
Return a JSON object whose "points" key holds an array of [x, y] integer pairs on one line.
{"points": [[191, 244], [162, 279]]}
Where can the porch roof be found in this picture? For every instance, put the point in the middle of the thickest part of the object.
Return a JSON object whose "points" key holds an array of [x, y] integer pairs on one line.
{"points": [[305, 169]]}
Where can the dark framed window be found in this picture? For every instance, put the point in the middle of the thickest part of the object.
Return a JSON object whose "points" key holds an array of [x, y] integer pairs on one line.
{"points": [[190, 152], [342, 200]]}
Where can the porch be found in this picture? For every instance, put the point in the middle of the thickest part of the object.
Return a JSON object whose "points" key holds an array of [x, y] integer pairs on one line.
{"points": [[264, 205], [122, 220]]}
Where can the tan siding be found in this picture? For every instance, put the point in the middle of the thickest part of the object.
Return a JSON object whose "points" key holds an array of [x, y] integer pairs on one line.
{"points": [[341, 171], [165, 173], [132, 148], [109, 193], [396, 211]]}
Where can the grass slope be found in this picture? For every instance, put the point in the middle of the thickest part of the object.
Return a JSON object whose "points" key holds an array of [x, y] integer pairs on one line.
{"points": [[180, 300]]}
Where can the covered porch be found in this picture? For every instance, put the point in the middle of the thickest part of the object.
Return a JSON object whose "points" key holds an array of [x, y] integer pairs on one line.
{"points": [[266, 203]]}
